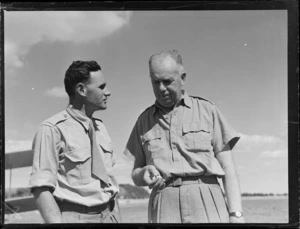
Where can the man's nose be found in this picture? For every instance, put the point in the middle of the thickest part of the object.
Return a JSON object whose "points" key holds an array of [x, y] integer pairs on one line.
{"points": [[161, 86], [107, 92]]}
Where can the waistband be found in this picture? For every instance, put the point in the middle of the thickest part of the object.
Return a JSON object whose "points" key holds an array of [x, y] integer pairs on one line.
{"points": [[68, 206], [178, 181]]}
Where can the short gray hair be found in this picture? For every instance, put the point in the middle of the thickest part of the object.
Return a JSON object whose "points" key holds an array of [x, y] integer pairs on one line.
{"points": [[174, 54]]}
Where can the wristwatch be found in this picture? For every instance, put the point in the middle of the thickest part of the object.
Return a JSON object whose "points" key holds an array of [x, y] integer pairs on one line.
{"points": [[236, 214]]}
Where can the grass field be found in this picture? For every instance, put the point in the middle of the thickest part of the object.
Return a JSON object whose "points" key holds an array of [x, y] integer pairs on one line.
{"points": [[256, 210]]}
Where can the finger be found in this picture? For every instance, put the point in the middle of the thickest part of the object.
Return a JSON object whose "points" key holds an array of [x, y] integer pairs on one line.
{"points": [[152, 182], [159, 184], [153, 171], [154, 174]]}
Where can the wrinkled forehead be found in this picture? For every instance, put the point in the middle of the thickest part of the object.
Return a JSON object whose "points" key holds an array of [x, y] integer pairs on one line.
{"points": [[163, 65]]}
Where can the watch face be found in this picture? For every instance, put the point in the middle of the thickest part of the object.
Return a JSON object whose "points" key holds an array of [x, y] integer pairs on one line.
{"points": [[238, 214]]}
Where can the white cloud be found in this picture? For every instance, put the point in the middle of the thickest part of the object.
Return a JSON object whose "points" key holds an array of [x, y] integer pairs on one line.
{"points": [[23, 29], [258, 139], [274, 153], [17, 145], [265, 146], [57, 92], [261, 142]]}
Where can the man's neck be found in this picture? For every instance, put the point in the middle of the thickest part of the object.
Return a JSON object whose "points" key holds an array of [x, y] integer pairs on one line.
{"points": [[166, 110], [81, 107]]}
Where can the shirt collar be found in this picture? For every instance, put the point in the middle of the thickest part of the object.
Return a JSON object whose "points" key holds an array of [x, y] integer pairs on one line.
{"points": [[185, 100], [79, 116]]}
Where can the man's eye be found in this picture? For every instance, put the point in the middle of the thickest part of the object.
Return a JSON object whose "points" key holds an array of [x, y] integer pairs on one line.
{"points": [[167, 82], [102, 87]]}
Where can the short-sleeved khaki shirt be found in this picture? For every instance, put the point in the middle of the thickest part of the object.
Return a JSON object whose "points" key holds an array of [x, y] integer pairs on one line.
{"points": [[183, 142], [62, 159]]}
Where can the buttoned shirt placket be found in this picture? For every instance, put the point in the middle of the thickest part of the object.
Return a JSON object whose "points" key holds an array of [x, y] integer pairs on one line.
{"points": [[172, 120]]}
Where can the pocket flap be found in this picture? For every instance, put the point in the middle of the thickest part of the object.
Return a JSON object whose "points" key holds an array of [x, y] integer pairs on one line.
{"points": [[79, 155], [151, 135], [194, 127], [106, 146]]}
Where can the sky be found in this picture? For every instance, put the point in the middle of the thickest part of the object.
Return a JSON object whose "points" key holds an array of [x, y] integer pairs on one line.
{"points": [[236, 59]]}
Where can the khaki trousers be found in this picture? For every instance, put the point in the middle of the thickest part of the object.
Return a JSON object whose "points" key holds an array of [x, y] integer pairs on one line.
{"points": [[188, 203]]}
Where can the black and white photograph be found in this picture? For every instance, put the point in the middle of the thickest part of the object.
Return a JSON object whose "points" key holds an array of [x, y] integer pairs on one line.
{"points": [[134, 116]]}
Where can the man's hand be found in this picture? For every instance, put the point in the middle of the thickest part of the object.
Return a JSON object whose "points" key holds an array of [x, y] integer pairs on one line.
{"points": [[147, 176], [152, 177]]}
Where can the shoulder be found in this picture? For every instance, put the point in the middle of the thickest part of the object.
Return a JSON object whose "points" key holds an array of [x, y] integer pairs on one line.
{"points": [[201, 100], [204, 106], [146, 112], [57, 118]]}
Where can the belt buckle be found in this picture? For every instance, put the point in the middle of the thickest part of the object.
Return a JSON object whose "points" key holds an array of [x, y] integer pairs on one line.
{"points": [[176, 181]]}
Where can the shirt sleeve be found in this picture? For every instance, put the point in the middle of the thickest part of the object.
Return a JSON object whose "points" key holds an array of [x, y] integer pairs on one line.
{"points": [[223, 133], [134, 149], [45, 157]]}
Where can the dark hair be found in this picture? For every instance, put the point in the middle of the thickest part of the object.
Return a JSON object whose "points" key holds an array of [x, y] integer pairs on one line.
{"points": [[79, 71]]}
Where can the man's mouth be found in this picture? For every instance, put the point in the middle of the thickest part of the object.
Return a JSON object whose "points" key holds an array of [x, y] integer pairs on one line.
{"points": [[165, 96]]}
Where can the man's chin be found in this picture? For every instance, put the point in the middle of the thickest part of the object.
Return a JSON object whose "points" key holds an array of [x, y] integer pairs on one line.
{"points": [[102, 108], [167, 104]]}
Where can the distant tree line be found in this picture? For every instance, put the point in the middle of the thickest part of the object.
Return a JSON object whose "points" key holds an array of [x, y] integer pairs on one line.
{"points": [[17, 192], [127, 191], [263, 194]]}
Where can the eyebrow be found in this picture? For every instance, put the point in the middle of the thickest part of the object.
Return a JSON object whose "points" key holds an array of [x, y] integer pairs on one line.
{"points": [[167, 79]]}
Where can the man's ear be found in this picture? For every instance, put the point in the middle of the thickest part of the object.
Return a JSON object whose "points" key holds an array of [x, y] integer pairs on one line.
{"points": [[183, 76], [81, 89]]}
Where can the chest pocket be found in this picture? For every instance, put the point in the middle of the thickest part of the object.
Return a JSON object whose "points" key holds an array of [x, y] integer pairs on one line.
{"points": [[197, 137], [106, 146], [77, 166], [108, 154], [152, 143]]}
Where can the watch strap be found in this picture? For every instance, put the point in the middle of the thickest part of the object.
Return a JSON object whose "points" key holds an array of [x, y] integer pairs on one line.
{"points": [[236, 214]]}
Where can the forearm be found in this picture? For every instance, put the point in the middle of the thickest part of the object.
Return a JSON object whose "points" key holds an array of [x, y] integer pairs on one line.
{"points": [[232, 189], [138, 176], [47, 205]]}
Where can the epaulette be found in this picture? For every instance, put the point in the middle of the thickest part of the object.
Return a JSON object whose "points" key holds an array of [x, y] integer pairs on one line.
{"points": [[197, 97], [145, 110], [57, 118], [98, 119]]}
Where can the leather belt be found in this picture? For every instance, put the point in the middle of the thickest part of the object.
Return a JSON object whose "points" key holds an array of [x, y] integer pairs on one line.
{"points": [[68, 206], [178, 181]]}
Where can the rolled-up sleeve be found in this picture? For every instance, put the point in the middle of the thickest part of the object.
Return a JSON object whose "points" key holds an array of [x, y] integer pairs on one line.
{"points": [[45, 157], [223, 133], [134, 148]]}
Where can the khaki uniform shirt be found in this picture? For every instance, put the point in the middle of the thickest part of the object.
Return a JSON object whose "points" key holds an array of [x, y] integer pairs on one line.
{"points": [[62, 159], [183, 142]]}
